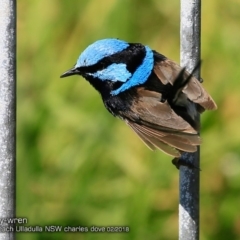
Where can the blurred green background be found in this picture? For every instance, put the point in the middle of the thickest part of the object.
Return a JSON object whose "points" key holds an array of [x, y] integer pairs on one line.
{"points": [[78, 165]]}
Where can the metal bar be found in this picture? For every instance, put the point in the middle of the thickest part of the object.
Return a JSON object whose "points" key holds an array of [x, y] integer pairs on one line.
{"points": [[190, 29], [7, 116]]}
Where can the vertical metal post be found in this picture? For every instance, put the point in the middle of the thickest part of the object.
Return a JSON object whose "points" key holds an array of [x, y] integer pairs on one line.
{"points": [[189, 178], [7, 115]]}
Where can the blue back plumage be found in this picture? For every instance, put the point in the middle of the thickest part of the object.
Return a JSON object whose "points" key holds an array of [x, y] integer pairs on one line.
{"points": [[141, 74], [100, 49]]}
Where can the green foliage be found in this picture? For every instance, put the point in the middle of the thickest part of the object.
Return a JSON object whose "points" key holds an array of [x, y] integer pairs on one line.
{"points": [[77, 165]]}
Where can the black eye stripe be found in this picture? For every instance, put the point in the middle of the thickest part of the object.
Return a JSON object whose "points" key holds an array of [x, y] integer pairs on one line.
{"points": [[132, 56]]}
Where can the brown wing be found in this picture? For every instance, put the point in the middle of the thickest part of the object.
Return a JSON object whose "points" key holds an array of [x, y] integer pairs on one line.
{"points": [[147, 109], [167, 71], [170, 143], [159, 126]]}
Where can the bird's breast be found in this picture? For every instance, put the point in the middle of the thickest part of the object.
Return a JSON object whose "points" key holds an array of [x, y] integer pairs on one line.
{"points": [[117, 104]]}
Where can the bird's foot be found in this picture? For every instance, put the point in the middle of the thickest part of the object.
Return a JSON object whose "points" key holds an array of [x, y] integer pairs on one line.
{"points": [[182, 162]]}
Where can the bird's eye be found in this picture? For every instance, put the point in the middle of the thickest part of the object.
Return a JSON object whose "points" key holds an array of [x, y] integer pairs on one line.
{"points": [[102, 66]]}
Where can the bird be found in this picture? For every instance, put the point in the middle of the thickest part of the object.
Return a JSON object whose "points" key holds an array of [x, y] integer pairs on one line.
{"points": [[159, 100]]}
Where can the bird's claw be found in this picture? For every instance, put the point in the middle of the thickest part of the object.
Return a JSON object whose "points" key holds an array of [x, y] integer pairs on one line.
{"points": [[181, 162]]}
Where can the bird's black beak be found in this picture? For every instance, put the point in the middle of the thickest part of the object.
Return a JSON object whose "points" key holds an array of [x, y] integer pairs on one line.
{"points": [[70, 72]]}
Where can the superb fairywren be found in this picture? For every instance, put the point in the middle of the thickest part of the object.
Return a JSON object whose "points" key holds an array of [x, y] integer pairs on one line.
{"points": [[157, 98]]}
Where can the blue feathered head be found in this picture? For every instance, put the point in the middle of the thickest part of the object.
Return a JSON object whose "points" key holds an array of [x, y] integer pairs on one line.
{"points": [[114, 60]]}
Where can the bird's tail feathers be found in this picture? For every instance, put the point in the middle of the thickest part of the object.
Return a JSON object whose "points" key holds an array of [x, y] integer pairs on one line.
{"points": [[172, 143], [181, 81]]}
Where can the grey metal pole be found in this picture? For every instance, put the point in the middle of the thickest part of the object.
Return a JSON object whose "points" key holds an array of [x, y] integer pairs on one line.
{"points": [[189, 178], [7, 115]]}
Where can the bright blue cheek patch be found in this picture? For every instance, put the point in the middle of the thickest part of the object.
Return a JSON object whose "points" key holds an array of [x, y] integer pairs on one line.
{"points": [[141, 74], [115, 72], [100, 49]]}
